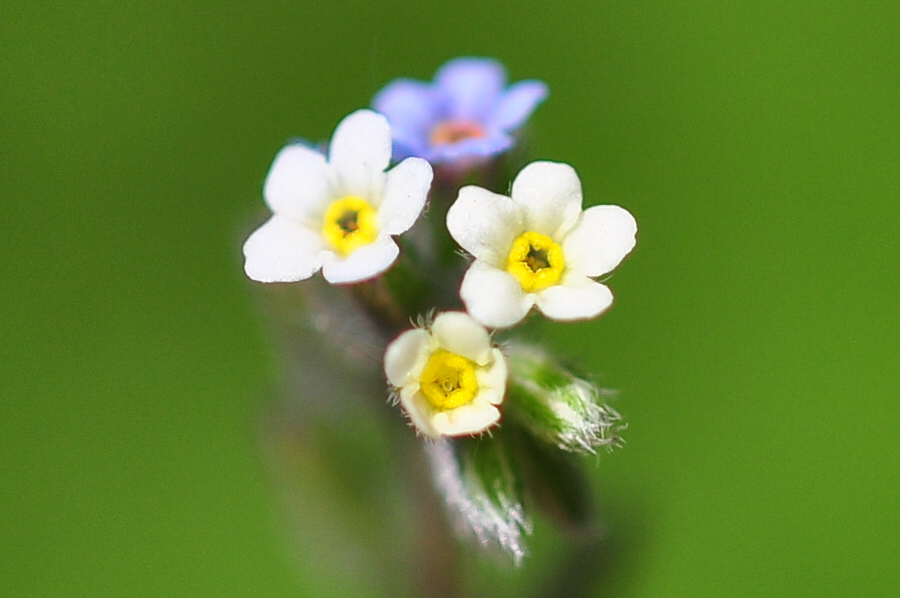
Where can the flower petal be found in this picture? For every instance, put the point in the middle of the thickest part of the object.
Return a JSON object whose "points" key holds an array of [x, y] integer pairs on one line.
{"points": [[459, 333], [493, 296], [405, 191], [406, 146], [471, 86], [419, 411], [550, 192], [360, 152], [580, 298], [491, 395], [603, 236], [282, 251], [364, 263], [406, 356], [494, 377], [516, 105], [484, 224], [412, 109], [468, 419], [297, 184], [474, 147], [409, 105]]}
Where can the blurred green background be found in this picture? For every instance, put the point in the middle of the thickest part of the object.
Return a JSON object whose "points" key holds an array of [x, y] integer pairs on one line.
{"points": [[755, 336]]}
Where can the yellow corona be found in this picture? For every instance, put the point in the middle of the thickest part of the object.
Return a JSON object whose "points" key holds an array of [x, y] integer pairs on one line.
{"points": [[448, 380], [350, 223], [536, 261]]}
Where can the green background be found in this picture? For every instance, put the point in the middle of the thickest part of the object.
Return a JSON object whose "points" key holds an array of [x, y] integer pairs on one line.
{"points": [[755, 336]]}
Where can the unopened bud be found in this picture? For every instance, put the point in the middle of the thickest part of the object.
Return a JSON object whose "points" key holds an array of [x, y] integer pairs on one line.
{"points": [[557, 406]]}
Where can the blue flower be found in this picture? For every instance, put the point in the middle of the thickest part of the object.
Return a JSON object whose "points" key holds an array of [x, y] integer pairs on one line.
{"points": [[467, 112]]}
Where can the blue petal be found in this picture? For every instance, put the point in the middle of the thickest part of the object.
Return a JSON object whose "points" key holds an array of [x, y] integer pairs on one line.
{"points": [[405, 147], [471, 87], [412, 108], [408, 104], [517, 104], [480, 147]]}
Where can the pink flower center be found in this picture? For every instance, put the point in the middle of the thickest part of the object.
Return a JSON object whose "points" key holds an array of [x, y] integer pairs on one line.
{"points": [[454, 131]]}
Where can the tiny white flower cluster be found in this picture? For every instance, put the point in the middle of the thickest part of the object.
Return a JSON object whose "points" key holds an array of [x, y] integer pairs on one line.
{"points": [[534, 248]]}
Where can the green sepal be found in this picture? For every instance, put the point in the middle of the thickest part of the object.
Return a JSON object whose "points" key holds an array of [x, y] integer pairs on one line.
{"points": [[556, 484], [482, 491], [555, 405]]}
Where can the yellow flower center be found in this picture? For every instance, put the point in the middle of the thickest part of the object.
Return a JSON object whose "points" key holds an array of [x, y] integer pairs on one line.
{"points": [[536, 261], [448, 380], [349, 223], [454, 131]]}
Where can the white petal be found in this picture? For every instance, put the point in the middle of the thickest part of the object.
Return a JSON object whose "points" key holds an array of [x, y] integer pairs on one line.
{"points": [[360, 152], [603, 236], [490, 396], [419, 410], [485, 224], [282, 251], [405, 191], [364, 263], [550, 192], [406, 356], [579, 298], [493, 296], [458, 333], [493, 378], [468, 419], [297, 184]]}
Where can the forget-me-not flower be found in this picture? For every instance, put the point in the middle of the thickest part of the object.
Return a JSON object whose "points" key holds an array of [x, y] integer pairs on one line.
{"points": [[467, 112], [537, 247], [337, 215], [449, 377]]}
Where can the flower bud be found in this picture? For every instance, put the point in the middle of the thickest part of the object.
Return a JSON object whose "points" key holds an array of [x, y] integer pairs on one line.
{"points": [[556, 406], [482, 491]]}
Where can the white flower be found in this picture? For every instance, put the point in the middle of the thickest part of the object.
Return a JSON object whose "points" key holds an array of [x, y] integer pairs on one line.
{"points": [[538, 247], [339, 214], [449, 377]]}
